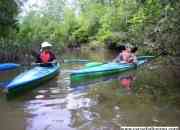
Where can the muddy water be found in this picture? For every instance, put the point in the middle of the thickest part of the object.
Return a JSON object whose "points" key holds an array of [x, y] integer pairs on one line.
{"points": [[148, 96]]}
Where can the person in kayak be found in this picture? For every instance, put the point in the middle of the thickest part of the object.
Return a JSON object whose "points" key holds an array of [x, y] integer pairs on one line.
{"points": [[133, 57], [46, 56], [127, 55], [119, 58]]}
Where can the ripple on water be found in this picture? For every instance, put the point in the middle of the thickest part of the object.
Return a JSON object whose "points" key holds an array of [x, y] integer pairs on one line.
{"points": [[42, 91], [39, 96], [55, 91]]}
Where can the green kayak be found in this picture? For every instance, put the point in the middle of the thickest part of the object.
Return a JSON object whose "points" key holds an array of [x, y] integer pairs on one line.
{"points": [[92, 71]]}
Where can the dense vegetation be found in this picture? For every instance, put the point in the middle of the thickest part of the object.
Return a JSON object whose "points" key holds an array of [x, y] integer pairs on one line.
{"points": [[8, 13], [151, 24]]}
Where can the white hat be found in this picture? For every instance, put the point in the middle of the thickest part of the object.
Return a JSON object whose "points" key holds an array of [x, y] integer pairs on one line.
{"points": [[45, 44]]}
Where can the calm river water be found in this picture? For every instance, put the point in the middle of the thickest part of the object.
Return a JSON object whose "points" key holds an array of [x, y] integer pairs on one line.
{"points": [[148, 96]]}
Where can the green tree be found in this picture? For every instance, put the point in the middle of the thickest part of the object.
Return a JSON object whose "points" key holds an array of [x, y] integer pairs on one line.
{"points": [[8, 12]]}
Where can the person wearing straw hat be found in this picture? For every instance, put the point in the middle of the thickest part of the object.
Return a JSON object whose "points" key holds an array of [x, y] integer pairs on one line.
{"points": [[46, 56]]}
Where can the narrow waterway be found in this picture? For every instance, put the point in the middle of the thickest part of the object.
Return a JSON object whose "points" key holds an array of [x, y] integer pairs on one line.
{"points": [[148, 96]]}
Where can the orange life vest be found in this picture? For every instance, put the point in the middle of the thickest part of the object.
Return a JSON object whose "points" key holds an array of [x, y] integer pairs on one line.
{"points": [[45, 56]]}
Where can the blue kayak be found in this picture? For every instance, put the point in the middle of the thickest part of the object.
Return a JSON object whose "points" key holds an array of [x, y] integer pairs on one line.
{"points": [[107, 69], [8, 66], [31, 78]]}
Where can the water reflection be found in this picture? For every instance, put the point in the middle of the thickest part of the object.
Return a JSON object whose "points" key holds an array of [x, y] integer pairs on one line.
{"points": [[53, 106], [55, 113], [99, 104], [124, 81], [127, 81]]}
